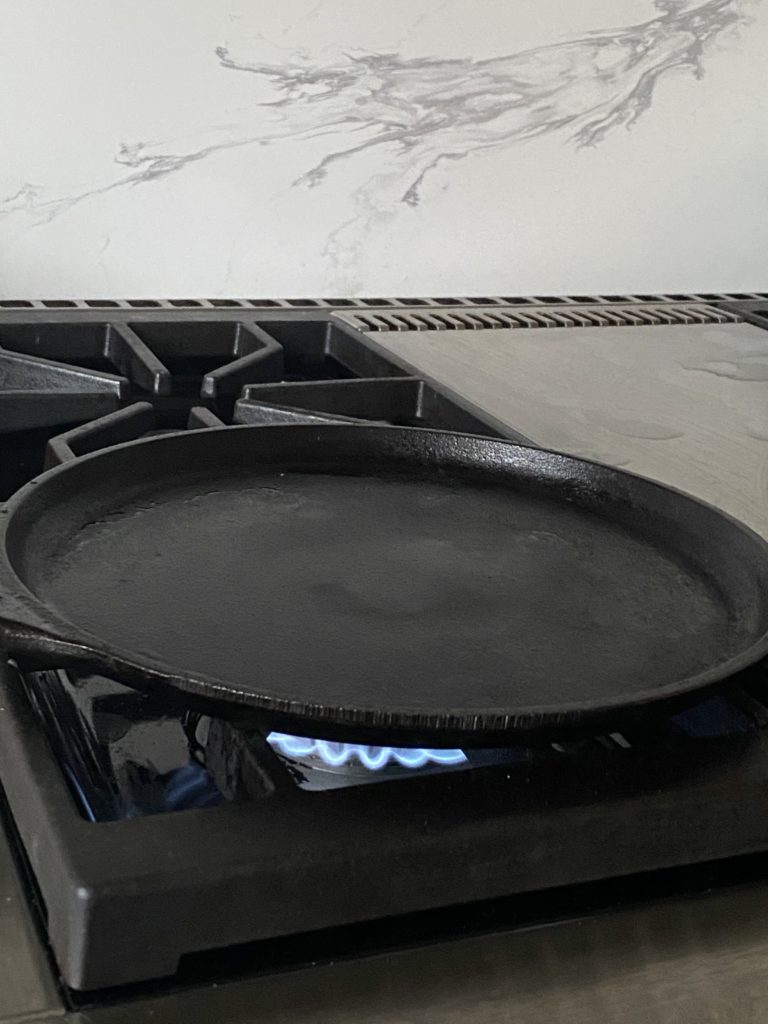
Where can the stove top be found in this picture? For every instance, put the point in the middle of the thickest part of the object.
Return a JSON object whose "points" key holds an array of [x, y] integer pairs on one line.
{"points": [[155, 835]]}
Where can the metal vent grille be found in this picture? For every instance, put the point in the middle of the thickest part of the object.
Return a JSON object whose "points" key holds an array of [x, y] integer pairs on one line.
{"points": [[461, 302], [586, 316]]}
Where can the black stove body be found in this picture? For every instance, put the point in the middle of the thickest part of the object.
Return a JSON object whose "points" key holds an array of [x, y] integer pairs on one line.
{"points": [[155, 836]]}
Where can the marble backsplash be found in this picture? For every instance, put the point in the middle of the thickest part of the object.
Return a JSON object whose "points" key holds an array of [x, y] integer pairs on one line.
{"points": [[346, 147]]}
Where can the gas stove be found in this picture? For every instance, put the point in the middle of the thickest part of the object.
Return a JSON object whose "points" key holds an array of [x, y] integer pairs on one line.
{"points": [[164, 849]]}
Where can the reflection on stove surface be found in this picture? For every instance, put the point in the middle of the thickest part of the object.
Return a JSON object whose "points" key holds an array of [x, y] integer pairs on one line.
{"points": [[127, 754]]}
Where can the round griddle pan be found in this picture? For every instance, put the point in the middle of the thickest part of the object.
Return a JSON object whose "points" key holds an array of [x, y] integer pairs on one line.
{"points": [[386, 584]]}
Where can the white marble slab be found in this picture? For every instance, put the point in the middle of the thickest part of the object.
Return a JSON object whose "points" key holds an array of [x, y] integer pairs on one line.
{"points": [[327, 147]]}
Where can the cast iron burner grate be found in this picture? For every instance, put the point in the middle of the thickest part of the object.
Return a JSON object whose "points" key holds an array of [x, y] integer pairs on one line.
{"points": [[91, 383], [208, 837], [154, 835]]}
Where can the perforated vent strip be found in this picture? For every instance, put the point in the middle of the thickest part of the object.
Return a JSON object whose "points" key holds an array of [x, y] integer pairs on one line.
{"points": [[586, 316], [377, 303]]}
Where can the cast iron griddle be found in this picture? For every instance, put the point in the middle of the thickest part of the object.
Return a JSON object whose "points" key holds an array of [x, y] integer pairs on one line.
{"points": [[360, 580]]}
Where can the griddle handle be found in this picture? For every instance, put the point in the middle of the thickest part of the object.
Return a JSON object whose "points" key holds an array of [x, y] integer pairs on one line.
{"points": [[36, 638], [36, 646], [30, 632]]}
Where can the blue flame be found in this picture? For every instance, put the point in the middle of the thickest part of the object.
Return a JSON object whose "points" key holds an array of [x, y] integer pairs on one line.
{"points": [[335, 755]]}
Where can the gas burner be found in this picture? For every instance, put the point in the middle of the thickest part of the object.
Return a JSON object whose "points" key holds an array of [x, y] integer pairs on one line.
{"points": [[318, 762], [126, 755]]}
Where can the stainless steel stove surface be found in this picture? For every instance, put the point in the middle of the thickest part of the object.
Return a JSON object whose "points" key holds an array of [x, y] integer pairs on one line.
{"points": [[160, 863]]}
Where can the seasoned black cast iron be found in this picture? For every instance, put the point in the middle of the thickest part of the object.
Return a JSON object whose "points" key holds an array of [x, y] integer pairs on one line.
{"points": [[376, 582]]}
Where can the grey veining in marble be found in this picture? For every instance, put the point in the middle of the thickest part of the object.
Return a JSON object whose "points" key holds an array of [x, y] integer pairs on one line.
{"points": [[432, 111], [439, 110], [381, 132]]}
